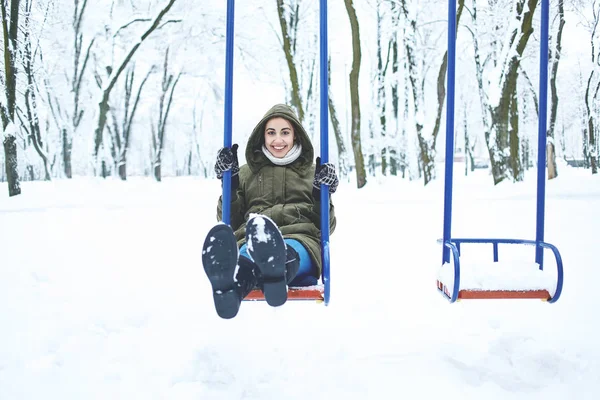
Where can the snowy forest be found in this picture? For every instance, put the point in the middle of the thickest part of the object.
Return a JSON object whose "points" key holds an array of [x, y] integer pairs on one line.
{"points": [[136, 87]]}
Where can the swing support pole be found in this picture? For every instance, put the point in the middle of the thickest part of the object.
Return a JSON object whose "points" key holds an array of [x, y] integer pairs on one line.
{"points": [[226, 199], [324, 120], [541, 167], [449, 129]]}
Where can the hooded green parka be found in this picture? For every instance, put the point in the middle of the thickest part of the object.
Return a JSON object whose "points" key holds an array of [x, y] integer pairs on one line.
{"points": [[282, 193]]}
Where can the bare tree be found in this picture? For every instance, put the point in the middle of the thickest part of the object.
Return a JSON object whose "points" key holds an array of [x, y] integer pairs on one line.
{"points": [[203, 166], [288, 21], [120, 131], [383, 61], [10, 31], [415, 77], [592, 94], [169, 82], [68, 117], [441, 85], [30, 121], [500, 117], [551, 148], [479, 69], [359, 163], [335, 123], [114, 76]]}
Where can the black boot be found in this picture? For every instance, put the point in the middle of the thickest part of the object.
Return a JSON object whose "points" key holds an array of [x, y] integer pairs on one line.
{"points": [[268, 251], [292, 264], [219, 258], [248, 276]]}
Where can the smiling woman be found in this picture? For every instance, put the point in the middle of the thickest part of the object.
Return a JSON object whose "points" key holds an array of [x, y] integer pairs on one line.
{"points": [[279, 137], [273, 240]]}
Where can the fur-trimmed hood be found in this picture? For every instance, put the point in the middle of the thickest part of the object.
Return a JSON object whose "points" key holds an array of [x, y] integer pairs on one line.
{"points": [[254, 155]]}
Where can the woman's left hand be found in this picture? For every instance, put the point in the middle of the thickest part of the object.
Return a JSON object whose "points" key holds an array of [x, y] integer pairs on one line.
{"points": [[325, 174]]}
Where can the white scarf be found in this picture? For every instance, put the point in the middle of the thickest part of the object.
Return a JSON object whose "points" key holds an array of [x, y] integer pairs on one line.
{"points": [[289, 158]]}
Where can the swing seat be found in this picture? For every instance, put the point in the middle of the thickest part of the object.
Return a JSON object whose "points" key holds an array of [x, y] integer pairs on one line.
{"points": [[499, 280], [315, 293]]}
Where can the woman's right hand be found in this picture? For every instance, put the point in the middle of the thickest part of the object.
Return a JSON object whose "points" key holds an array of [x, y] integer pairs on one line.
{"points": [[227, 160]]}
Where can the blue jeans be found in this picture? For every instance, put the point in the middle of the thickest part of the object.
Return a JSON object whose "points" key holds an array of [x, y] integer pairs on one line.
{"points": [[307, 272]]}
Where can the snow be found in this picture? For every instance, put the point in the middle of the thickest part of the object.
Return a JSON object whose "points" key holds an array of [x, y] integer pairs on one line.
{"points": [[261, 235], [515, 276], [11, 130], [104, 297]]}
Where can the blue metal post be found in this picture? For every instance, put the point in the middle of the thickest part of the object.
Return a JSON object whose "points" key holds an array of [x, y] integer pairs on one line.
{"points": [[541, 167], [324, 149], [449, 128], [228, 107]]}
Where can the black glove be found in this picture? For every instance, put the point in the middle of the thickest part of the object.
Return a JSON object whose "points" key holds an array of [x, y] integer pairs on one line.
{"points": [[227, 160], [324, 174]]}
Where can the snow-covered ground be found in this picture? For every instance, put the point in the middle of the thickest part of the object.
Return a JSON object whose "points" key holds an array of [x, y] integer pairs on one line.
{"points": [[103, 296]]}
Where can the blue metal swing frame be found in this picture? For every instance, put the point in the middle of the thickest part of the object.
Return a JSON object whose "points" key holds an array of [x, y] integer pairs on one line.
{"points": [[322, 292], [453, 244]]}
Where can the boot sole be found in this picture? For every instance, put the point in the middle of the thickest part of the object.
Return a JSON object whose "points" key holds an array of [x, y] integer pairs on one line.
{"points": [[268, 251], [219, 258]]}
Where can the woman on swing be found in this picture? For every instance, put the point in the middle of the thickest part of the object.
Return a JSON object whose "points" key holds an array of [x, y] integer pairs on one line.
{"points": [[274, 238]]}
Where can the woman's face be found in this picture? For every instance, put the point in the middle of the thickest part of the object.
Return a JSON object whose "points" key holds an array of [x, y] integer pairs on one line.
{"points": [[279, 136]]}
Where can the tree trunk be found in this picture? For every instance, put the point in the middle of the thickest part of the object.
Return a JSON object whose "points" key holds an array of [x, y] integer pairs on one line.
{"points": [[515, 156], [157, 170], [10, 161], [34, 128], [123, 170], [550, 152], [404, 161], [551, 157], [10, 30], [590, 139], [381, 98], [105, 171], [468, 152], [67, 146], [396, 162], [361, 176]]}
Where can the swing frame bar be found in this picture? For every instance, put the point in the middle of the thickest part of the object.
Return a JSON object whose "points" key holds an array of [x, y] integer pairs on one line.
{"points": [[320, 293], [452, 245]]}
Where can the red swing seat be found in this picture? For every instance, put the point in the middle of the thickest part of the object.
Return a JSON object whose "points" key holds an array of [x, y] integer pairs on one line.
{"points": [[315, 293]]}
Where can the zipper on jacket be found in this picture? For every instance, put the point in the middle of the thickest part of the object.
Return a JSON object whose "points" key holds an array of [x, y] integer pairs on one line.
{"points": [[283, 197], [260, 184]]}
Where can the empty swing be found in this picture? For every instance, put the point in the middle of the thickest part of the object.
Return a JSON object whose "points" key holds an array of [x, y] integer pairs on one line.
{"points": [[455, 283], [319, 292]]}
